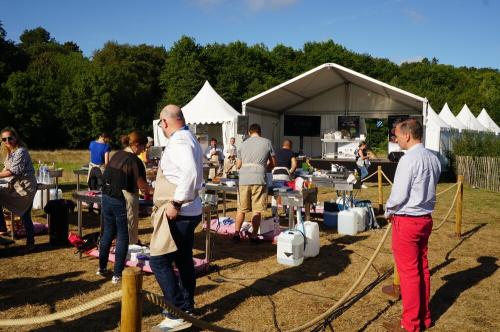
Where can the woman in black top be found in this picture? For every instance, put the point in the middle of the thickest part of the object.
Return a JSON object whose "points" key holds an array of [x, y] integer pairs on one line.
{"points": [[286, 163], [125, 171]]}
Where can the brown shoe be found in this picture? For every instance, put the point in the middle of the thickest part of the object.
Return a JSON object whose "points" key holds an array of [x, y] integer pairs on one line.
{"points": [[393, 326], [392, 290]]}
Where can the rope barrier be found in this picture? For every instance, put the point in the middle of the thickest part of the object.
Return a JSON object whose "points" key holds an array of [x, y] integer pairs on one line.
{"points": [[449, 211], [160, 301], [369, 176], [349, 291], [447, 189], [385, 176], [62, 314]]}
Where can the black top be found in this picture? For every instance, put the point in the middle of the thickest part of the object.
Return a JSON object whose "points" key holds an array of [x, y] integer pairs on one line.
{"points": [[284, 158], [121, 173]]}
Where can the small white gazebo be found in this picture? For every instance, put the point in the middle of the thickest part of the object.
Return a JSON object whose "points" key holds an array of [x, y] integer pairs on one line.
{"points": [[485, 119], [209, 113]]}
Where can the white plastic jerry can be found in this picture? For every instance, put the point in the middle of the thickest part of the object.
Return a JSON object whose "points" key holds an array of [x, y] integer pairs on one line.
{"points": [[348, 222], [290, 248], [363, 214], [312, 239]]}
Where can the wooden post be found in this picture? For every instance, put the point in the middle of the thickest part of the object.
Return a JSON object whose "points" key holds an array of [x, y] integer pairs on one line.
{"points": [[459, 208], [396, 281], [380, 192], [131, 314]]}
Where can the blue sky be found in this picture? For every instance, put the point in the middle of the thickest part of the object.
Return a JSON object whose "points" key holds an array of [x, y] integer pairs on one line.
{"points": [[456, 32]]}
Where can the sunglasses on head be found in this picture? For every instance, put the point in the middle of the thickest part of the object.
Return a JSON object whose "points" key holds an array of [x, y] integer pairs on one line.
{"points": [[9, 138]]}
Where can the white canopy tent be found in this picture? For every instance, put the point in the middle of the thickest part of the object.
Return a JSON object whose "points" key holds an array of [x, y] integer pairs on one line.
{"points": [[435, 127], [206, 109], [329, 91], [469, 120], [485, 119], [438, 135], [447, 116]]}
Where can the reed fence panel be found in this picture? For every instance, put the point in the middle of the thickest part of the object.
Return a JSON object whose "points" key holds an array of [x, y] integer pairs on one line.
{"points": [[480, 172]]}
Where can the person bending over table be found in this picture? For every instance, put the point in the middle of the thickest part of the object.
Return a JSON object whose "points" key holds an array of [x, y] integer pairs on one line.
{"points": [[124, 172], [230, 157], [254, 156], [19, 171]]}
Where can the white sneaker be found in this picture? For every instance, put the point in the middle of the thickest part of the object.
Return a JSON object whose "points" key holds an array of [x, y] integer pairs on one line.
{"points": [[171, 323], [364, 186], [101, 272], [115, 279]]}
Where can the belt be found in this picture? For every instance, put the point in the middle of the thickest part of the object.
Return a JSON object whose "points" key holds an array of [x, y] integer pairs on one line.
{"points": [[412, 216]]}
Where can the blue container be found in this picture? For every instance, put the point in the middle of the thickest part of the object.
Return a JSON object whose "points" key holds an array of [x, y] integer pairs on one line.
{"points": [[330, 219]]}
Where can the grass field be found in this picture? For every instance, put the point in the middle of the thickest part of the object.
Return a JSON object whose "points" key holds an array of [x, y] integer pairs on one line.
{"points": [[251, 292]]}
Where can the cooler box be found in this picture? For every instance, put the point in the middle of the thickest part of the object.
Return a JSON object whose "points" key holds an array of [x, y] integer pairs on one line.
{"points": [[330, 214], [330, 219]]}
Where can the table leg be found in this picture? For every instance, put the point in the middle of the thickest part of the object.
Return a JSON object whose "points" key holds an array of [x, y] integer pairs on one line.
{"points": [[77, 182], [208, 234], [307, 207], [79, 207], [224, 203], [57, 187], [291, 221]]}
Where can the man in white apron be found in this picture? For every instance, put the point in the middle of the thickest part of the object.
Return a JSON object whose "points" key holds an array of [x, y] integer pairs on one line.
{"points": [[176, 214]]}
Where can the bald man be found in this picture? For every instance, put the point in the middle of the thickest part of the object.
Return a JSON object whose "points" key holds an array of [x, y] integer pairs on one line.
{"points": [[176, 215]]}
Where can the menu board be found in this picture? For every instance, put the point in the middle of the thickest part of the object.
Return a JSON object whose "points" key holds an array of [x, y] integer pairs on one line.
{"points": [[349, 125]]}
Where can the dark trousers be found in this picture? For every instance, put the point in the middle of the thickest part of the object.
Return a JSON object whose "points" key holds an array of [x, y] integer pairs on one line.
{"points": [[28, 225], [178, 292], [114, 226]]}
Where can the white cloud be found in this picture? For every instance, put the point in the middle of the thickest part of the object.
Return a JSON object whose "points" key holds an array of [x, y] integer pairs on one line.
{"points": [[414, 15], [260, 5], [417, 58], [205, 4]]}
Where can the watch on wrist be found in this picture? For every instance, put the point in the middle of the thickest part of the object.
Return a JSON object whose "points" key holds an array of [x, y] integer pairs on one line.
{"points": [[177, 205]]}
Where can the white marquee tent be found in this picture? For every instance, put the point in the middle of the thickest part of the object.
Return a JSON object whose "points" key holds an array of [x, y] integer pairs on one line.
{"points": [[328, 91], [485, 119], [435, 128], [447, 116], [469, 120], [207, 109]]}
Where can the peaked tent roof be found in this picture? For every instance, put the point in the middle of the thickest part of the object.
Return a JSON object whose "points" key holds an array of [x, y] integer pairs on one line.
{"points": [[485, 119], [447, 116], [208, 107], [469, 120], [434, 119], [321, 79]]}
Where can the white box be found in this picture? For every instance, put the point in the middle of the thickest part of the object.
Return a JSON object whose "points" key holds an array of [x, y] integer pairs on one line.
{"points": [[348, 222]]}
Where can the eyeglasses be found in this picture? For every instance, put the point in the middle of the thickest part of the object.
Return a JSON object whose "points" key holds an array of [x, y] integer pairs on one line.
{"points": [[159, 122], [9, 138]]}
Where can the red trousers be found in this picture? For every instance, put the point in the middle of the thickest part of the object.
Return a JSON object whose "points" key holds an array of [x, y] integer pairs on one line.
{"points": [[410, 236]]}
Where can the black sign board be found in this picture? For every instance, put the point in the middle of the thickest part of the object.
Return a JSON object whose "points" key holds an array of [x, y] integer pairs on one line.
{"points": [[349, 125]]}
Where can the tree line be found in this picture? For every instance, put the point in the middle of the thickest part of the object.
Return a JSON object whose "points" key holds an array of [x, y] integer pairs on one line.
{"points": [[58, 98]]}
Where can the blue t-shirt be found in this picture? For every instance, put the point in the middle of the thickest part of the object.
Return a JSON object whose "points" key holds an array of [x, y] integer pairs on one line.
{"points": [[97, 152]]}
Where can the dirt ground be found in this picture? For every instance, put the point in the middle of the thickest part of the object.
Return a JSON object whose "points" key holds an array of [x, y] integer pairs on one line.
{"points": [[249, 291]]}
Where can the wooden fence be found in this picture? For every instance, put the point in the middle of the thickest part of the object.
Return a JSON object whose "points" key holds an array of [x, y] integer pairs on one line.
{"points": [[481, 172]]}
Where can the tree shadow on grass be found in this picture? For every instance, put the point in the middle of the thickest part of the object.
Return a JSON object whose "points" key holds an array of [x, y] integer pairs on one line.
{"points": [[334, 258], [459, 282]]}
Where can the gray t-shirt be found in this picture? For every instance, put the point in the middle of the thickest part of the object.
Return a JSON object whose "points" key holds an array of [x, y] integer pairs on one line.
{"points": [[254, 154]]}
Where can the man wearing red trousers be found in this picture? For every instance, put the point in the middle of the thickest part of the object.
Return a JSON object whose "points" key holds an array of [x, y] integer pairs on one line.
{"points": [[409, 208]]}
